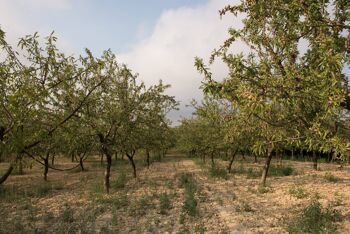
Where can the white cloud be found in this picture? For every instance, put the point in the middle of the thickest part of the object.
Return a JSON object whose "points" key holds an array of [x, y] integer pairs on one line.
{"points": [[178, 37], [16, 19], [41, 4]]}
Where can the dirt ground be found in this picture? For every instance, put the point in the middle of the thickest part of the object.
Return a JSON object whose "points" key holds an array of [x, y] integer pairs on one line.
{"points": [[74, 202]]}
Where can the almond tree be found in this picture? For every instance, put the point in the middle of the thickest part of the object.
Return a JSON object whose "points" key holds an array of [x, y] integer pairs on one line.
{"points": [[278, 84], [36, 90]]}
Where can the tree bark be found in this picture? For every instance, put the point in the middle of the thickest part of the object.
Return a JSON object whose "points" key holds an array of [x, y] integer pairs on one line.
{"points": [[314, 160], [73, 156], [147, 158], [212, 158], [292, 154], [229, 167], [266, 167], [255, 158], [108, 172], [20, 166], [131, 159], [102, 159], [81, 163], [46, 168], [243, 156], [7, 174]]}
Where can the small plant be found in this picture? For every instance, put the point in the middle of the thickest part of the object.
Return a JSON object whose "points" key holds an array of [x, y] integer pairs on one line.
{"points": [[331, 178], [252, 174], [67, 214], [182, 218], [185, 178], [263, 189], [190, 204], [141, 206], [218, 172], [297, 192], [234, 197], [244, 207], [120, 182], [164, 203], [198, 162], [314, 219], [200, 228], [280, 170]]}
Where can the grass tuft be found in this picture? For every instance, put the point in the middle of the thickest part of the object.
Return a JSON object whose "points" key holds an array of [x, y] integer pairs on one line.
{"points": [[331, 178], [314, 219], [298, 192], [218, 172]]}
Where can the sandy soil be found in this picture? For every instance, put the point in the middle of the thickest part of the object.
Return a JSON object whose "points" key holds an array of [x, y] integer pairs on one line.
{"points": [[235, 205]]}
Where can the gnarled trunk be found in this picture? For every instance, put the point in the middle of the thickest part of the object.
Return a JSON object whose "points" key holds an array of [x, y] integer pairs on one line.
{"points": [[255, 158], [229, 168], [147, 158], [266, 167], [212, 158], [131, 159], [243, 155], [46, 168], [108, 172], [314, 160], [7, 174], [81, 163]]}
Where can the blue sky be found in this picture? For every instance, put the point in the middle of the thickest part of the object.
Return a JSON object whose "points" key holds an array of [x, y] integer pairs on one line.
{"points": [[97, 24], [158, 39]]}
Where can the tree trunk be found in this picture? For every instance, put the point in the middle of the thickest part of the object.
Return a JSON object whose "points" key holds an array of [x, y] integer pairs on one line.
{"points": [[53, 160], [292, 154], [20, 166], [314, 160], [148, 158], [81, 163], [73, 156], [243, 156], [266, 167], [7, 174], [102, 158], [46, 168], [329, 157], [255, 158], [131, 159], [302, 154], [108, 172], [229, 168], [212, 158]]}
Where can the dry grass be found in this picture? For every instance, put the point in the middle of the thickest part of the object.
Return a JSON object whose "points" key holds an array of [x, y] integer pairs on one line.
{"points": [[74, 201]]}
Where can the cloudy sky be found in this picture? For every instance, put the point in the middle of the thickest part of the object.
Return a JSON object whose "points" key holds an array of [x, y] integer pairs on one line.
{"points": [[157, 38]]}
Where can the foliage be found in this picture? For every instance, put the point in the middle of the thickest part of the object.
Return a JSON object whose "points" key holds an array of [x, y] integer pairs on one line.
{"points": [[288, 96], [164, 203], [298, 192], [315, 219], [218, 172], [280, 170], [120, 182], [331, 178]]}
